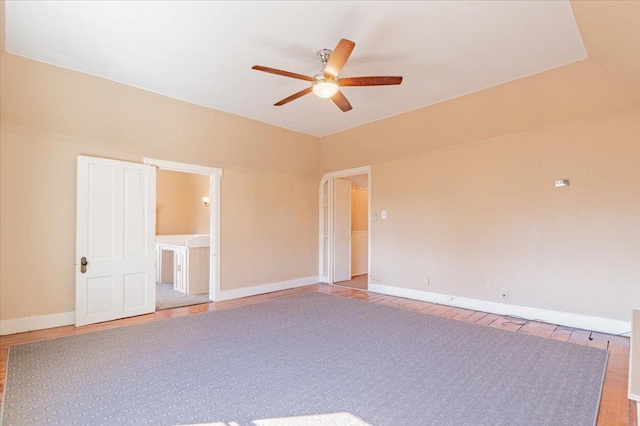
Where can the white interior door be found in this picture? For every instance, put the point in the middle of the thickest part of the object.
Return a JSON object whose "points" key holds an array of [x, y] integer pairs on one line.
{"points": [[341, 230], [115, 234]]}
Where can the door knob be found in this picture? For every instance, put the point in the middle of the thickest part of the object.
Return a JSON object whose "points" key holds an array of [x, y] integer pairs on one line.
{"points": [[83, 264]]}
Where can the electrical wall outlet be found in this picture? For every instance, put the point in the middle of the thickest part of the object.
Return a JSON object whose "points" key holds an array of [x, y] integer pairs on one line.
{"points": [[504, 293], [425, 280]]}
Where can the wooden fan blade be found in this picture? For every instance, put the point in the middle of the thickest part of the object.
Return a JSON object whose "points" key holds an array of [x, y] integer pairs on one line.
{"points": [[369, 81], [293, 97], [339, 58], [282, 73], [342, 102]]}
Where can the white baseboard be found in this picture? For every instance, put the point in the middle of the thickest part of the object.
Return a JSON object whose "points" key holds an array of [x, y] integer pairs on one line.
{"points": [[38, 322], [266, 288], [21, 325], [604, 325]]}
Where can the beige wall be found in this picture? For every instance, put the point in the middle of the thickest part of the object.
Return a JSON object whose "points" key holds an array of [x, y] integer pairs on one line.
{"points": [[179, 205], [101, 112], [50, 115], [610, 31], [269, 220], [37, 218], [199, 218], [579, 90], [359, 209], [486, 215], [359, 230]]}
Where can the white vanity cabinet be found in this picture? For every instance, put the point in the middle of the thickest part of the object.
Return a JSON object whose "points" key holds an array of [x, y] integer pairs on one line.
{"points": [[184, 261], [180, 276]]}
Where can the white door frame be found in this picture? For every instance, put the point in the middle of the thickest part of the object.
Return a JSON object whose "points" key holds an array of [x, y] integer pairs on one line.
{"points": [[214, 214], [328, 179]]}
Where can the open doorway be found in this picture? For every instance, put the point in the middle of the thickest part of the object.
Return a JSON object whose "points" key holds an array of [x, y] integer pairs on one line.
{"points": [[187, 230], [182, 239], [359, 232], [344, 228]]}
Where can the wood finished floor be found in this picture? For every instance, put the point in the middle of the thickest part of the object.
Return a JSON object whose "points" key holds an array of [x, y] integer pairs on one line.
{"points": [[615, 408], [358, 282]]}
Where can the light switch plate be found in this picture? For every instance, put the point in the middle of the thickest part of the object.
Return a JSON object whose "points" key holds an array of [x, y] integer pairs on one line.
{"points": [[383, 214]]}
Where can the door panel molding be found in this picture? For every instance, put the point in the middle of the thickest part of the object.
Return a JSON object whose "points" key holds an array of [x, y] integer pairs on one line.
{"points": [[115, 204], [341, 230]]}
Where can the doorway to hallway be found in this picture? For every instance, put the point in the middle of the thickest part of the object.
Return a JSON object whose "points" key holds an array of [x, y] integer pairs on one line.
{"points": [[344, 253]]}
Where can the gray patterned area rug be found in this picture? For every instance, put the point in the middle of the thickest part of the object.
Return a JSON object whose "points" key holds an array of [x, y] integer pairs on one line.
{"points": [[308, 356]]}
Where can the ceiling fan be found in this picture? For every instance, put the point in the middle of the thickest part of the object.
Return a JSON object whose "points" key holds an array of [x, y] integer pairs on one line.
{"points": [[326, 83]]}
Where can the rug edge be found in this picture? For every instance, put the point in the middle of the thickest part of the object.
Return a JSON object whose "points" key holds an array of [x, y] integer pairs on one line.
{"points": [[474, 324], [4, 389], [604, 373]]}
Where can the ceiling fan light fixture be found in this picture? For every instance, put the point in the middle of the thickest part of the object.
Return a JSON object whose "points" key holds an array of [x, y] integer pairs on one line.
{"points": [[325, 88], [326, 84]]}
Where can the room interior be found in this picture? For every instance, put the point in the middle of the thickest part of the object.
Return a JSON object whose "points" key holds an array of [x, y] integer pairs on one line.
{"points": [[464, 156], [182, 229]]}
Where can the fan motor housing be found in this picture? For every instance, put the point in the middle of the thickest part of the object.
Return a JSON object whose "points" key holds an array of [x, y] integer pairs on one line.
{"points": [[324, 54]]}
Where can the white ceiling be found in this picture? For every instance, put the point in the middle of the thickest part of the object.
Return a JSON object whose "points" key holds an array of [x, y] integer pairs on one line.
{"points": [[202, 52]]}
